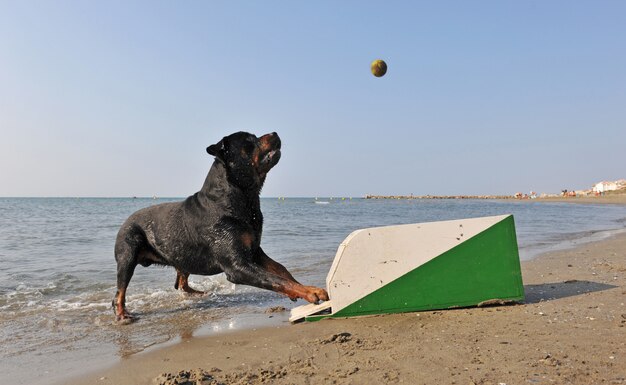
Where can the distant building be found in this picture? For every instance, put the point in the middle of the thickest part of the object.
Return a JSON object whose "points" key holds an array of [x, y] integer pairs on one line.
{"points": [[605, 186]]}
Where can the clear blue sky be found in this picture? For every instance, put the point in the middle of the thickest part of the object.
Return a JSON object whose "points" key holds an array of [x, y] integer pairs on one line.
{"points": [[118, 98]]}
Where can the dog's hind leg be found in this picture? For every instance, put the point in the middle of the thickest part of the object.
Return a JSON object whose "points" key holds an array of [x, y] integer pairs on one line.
{"points": [[126, 257], [182, 283]]}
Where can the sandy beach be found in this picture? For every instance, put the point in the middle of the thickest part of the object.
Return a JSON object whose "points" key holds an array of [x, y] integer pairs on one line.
{"points": [[570, 330], [616, 199]]}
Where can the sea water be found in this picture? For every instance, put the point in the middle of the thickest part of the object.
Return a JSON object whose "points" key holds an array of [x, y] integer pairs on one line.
{"points": [[58, 273]]}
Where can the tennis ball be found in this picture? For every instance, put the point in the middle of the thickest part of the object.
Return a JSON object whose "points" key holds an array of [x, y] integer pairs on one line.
{"points": [[379, 68]]}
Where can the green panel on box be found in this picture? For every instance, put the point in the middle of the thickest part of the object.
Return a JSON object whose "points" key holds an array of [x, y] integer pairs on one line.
{"points": [[481, 268]]}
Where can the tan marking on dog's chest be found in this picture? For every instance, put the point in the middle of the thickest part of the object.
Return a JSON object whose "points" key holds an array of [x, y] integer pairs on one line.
{"points": [[247, 239]]}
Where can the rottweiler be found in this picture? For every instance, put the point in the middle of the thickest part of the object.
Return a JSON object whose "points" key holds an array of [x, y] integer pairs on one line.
{"points": [[218, 229]]}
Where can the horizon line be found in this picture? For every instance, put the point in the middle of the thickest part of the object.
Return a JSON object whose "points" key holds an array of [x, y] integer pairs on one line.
{"points": [[170, 197]]}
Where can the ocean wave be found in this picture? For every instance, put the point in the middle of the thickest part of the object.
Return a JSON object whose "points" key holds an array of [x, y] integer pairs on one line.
{"points": [[69, 294], [565, 241]]}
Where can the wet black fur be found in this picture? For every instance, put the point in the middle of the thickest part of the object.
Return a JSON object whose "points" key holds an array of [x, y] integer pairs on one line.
{"points": [[218, 229]]}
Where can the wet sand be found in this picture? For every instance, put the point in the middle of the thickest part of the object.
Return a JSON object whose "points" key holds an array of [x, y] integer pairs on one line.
{"points": [[571, 330]]}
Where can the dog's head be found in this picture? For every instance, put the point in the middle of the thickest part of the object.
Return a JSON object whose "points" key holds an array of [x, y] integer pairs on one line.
{"points": [[247, 158]]}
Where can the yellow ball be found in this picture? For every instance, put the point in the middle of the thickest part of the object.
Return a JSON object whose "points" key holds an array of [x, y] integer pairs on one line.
{"points": [[379, 68]]}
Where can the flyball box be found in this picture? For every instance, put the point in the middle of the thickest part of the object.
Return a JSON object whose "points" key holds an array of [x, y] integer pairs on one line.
{"points": [[421, 266]]}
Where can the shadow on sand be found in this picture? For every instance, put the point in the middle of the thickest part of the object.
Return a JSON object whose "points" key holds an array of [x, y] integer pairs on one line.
{"points": [[556, 290]]}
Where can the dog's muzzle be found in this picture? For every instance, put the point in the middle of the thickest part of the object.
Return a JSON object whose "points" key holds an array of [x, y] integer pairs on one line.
{"points": [[271, 158]]}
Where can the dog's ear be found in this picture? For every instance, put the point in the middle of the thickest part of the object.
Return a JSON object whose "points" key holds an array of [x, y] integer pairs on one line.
{"points": [[218, 149]]}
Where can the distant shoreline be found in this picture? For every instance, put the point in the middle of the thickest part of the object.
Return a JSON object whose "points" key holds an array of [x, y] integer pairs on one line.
{"points": [[439, 197], [617, 199], [614, 199]]}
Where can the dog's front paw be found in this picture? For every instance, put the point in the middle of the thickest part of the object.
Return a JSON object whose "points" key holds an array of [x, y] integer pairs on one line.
{"points": [[316, 294], [322, 294]]}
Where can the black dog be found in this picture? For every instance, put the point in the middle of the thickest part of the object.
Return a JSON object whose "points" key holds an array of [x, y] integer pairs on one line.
{"points": [[218, 229]]}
